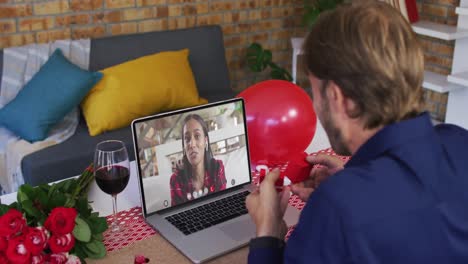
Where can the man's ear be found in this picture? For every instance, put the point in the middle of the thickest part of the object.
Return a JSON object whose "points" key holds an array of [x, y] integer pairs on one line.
{"points": [[338, 101], [334, 95]]}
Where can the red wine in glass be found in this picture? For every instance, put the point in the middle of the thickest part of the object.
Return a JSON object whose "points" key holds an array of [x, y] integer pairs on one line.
{"points": [[113, 179], [112, 172]]}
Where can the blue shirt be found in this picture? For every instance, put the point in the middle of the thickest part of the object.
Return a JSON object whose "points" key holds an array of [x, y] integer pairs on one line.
{"points": [[402, 198]]}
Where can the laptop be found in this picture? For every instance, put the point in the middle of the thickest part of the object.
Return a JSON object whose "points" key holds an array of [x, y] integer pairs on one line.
{"points": [[194, 174]]}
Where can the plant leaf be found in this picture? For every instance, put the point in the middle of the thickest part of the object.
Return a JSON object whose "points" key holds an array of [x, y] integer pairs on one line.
{"points": [[309, 18], [280, 74], [79, 250], [25, 192], [3, 209], [82, 232], [256, 57], [97, 224], [98, 237], [57, 200], [82, 206], [29, 208], [42, 197], [95, 249]]}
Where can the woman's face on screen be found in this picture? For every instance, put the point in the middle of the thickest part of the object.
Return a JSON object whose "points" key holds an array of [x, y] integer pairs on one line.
{"points": [[194, 142]]}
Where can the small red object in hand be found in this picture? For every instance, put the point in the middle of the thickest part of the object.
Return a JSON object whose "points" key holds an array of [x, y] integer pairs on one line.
{"points": [[298, 168], [278, 184], [140, 259]]}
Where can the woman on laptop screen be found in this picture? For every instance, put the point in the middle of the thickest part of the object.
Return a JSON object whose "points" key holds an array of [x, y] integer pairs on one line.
{"points": [[200, 173]]}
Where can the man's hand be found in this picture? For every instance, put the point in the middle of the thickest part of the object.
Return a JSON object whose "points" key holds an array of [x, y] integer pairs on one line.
{"points": [[266, 207], [329, 166]]}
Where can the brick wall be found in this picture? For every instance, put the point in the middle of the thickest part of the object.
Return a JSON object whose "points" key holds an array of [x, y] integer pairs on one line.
{"points": [[269, 22], [438, 53]]}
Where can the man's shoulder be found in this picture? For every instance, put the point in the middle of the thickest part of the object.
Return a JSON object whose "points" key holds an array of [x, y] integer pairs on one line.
{"points": [[452, 134]]}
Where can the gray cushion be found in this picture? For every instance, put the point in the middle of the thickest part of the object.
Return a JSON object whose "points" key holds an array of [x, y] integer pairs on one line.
{"points": [[207, 59]]}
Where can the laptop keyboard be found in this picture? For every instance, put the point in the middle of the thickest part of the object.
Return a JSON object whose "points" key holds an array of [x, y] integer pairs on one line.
{"points": [[210, 214]]}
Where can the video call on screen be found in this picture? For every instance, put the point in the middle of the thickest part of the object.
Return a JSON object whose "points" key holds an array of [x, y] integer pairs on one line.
{"points": [[173, 148]]}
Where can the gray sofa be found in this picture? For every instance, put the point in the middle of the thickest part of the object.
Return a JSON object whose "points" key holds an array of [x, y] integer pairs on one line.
{"points": [[207, 59]]}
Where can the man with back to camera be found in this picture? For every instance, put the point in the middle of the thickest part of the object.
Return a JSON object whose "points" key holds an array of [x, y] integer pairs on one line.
{"points": [[403, 196]]}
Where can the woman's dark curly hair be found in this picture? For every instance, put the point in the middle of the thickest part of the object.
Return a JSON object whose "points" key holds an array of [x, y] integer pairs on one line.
{"points": [[211, 166]]}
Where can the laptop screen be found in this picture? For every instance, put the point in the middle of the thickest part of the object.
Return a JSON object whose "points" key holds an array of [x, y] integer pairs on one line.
{"points": [[189, 154]]}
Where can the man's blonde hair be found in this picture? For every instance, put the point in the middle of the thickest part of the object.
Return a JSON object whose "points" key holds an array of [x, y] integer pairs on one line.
{"points": [[370, 51]]}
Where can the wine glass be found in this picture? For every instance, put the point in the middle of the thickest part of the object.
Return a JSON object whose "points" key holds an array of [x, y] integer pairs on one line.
{"points": [[112, 172]]}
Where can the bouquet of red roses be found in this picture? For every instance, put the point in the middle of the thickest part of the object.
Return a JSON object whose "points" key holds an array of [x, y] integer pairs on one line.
{"points": [[52, 224]]}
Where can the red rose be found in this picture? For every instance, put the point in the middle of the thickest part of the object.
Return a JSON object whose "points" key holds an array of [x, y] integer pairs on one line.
{"points": [[36, 240], [60, 258], [61, 220], [3, 259], [59, 244], [3, 244], [17, 252], [38, 259], [11, 223]]}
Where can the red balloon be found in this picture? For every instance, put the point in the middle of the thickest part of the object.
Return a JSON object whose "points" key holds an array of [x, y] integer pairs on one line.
{"points": [[281, 121]]}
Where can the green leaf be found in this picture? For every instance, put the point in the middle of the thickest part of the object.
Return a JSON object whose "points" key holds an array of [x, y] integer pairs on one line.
{"points": [[82, 206], [67, 185], [98, 237], [314, 8], [280, 74], [81, 232], [95, 249], [309, 18], [14, 205], [52, 190], [57, 200], [257, 57], [267, 57], [25, 192], [79, 250], [98, 224], [42, 197], [29, 208], [3, 209], [44, 187]]}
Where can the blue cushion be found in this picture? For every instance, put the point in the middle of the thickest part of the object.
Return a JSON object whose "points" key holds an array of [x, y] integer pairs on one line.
{"points": [[52, 92]]}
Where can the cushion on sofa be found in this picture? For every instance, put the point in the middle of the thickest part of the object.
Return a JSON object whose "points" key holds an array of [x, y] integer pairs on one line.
{"points": [[53, 92], [208, 63], [140, 87]]}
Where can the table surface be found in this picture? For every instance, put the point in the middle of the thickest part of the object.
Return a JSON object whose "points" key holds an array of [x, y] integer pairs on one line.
{"points": [[160, 251]]}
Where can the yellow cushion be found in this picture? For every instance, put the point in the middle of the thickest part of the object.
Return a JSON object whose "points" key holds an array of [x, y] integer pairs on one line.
{"points": [[141, 87]]}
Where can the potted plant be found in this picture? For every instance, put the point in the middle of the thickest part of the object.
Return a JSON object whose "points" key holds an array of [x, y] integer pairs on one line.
{"points": [[258, 59]]}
